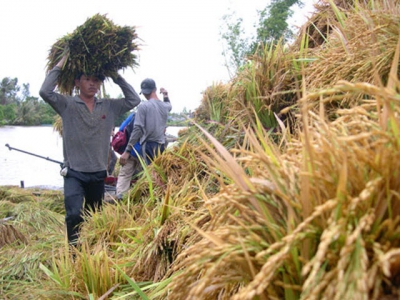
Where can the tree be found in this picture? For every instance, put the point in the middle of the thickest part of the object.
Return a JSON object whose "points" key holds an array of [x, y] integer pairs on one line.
{"points": [[25, 90], [9, 90], [10, 113], [22, 108], [1, 115], [47, 113], [272, 26], [25, 114], [236, 44]]}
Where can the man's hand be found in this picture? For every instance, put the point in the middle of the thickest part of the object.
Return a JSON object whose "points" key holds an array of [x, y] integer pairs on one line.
{"points": [[164, 92], [63, 60], [114, 76], [123, 159]]}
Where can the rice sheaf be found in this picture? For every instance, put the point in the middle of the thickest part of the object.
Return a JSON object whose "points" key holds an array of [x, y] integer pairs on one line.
{"points": [[96, 47]]}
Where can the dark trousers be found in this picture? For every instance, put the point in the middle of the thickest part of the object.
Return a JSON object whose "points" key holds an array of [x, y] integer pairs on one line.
{"points": [[83, 192], [152, 150]]}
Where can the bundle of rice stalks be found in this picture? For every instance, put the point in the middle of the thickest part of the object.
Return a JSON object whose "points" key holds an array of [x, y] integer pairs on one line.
{"points": [[265, 86], [15, 194], [9, 235], [53, 204], [6, 209], [319, 26], [57, 125], [326, 13], [19, 260], [146, 231], [20, 274], [214, 105], [39, 223], [319, 221], [97, 47], [358, 46], [177, 166]]}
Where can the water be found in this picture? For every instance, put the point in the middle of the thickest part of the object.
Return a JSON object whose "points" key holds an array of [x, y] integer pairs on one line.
{"points": [[16, 166]]}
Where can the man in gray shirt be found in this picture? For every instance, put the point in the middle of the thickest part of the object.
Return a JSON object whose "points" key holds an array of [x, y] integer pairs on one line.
{"points": [[150, 123], [87, 122]]}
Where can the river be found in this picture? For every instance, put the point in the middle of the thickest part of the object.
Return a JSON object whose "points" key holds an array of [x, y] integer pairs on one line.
{"points": [[17, 167]]}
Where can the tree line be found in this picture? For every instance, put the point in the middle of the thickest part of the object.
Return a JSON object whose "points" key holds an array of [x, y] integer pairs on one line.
{"points": [[18, 107]]}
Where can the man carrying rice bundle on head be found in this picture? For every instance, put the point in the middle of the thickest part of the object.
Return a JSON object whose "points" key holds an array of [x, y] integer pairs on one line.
{"points": [[86, 60]]}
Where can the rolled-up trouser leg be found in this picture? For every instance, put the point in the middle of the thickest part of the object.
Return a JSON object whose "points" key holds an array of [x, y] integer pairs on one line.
{"points": [[125, 175]]}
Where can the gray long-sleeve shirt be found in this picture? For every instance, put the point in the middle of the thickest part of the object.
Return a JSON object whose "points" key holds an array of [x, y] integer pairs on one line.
{"points": [[86, 135], [150, 122]]}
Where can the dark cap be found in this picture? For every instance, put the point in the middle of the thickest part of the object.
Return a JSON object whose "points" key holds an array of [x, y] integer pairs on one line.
{"points": [[147, 86]]}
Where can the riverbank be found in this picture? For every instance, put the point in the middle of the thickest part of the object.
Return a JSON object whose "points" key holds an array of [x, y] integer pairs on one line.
{"points": [[22, 169]]}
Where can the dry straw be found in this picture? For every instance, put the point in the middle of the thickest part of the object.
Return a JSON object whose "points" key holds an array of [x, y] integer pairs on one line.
{"points": [[9, 234], [337, 180], [97, 47], [246, 252], [229, 213]]}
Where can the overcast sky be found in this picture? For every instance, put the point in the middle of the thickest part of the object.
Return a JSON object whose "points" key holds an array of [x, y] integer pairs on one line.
{"points": [[181, 47]]}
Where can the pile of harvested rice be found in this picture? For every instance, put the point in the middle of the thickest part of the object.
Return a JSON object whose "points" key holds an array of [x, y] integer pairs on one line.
{"points": [[96, 47]]}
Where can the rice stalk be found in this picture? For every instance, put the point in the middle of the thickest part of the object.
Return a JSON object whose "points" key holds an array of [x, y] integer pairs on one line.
{"points": [[61, 269], [6, 210], [351, 56], [355, 136], [9, 235], [98, 273], [97, 47], [165, 207], [133, 284]]}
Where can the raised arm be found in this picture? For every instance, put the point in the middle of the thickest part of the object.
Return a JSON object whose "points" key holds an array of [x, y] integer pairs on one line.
{"points": [[131, 98], [57, 101], [165, 94], [61, 63]]}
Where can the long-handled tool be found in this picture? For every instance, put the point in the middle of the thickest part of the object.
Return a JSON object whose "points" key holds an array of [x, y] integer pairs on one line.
{"points": [[107, 180], [26, 152]]}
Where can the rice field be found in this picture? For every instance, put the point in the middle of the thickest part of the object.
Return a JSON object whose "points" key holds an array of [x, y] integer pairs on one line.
{"points": [[285, 186]]}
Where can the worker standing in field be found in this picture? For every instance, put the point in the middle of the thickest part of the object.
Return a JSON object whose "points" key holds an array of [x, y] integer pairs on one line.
{"points": [[87, 122], [150, 123], [132, 165]]}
